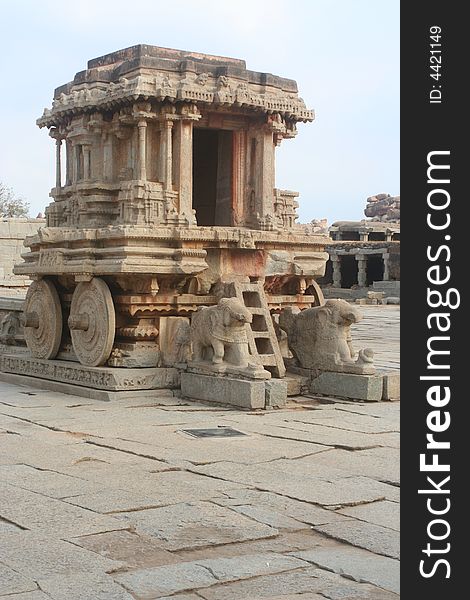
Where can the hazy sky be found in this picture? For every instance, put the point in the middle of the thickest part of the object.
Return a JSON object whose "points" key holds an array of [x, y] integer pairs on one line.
{"points": [[344, 54]]}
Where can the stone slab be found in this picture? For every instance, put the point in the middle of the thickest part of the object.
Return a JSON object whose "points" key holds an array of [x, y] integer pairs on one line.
{"points": [[41, 556], [379, 540], [383, 513], [196, 524], [133, 550], [224, 390], [276, 393], [360, 565], [12, 582], [347, 385], [391, 386], [81, 586], [111, 379]]}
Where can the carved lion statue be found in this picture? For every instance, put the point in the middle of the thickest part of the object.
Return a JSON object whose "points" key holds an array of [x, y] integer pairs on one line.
{"points": [[218, 333], [320, 338]]}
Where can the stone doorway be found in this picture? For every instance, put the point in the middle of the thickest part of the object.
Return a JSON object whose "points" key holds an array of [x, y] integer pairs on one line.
{"points": [[349, 271], [375, 268], [212, 176]]}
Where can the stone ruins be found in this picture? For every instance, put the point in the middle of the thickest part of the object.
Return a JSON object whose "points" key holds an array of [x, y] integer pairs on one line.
{"points": [[364, 256], [168, 257]]}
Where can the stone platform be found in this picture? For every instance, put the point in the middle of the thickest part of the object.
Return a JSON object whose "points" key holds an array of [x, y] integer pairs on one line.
{"points": [[232, 391], [100, 383]]}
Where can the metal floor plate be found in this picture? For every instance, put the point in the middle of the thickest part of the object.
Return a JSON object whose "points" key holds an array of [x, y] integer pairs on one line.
{"points": [[217, 432]]}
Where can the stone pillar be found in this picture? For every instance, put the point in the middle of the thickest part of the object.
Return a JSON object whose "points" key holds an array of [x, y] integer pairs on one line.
{"points": [[386, 259], [86, 162], [266, 171], [336, 262], [165, 158], [108, 158], [58, 172], [68, 163], [184, 165], [362, 270], [142, 151], [238, 177], [363, 236]]}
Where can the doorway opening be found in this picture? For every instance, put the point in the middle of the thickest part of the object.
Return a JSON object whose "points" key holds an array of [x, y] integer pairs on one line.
{"points": [[212, 176], [349, 270], [375, 268]]}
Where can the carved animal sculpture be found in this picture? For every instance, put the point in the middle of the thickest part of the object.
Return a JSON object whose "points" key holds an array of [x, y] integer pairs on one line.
{"points": [[320, 338], [218, 333]]}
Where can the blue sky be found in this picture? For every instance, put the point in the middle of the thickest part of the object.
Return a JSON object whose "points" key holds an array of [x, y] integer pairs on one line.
{"points": [[344, 55]]}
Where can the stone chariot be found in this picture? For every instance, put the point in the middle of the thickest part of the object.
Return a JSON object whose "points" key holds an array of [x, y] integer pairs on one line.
{"points": [[166, 204]]}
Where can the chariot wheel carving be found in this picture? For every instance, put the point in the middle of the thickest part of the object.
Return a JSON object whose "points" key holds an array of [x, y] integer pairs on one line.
{"points": [[317, 293], [92, 322], [42, 319]]}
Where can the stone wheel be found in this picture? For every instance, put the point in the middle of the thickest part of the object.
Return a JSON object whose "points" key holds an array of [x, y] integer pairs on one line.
{"points": [[92, 322], [317, 293], [42, 319]]}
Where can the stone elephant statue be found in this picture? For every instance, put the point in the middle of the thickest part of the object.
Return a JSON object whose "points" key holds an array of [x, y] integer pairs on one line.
{"points": [[218, 333], [320, 338]]}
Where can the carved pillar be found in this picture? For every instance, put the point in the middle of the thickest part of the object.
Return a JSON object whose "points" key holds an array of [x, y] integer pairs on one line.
{"points": [[336, 262], [58, 173], [86, 161], [266, 171], [363, 236], [361, 270], [68, 163], [165, 159], [238, 178], [108, 158], [386, 259], [142, 151], [184, 165]]}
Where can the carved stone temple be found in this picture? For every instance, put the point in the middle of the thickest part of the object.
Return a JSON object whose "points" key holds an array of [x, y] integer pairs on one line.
{"points": [[164, 203]]}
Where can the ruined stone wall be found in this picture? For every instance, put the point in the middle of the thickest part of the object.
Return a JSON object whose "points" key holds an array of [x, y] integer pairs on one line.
{"points": [[12, 235]]}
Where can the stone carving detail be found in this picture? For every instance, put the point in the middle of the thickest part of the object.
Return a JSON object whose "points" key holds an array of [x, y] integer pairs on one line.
{"points": [[320, 338], [10, 329], [219, 338], [92, 322], [42, 319], [383, 207]]}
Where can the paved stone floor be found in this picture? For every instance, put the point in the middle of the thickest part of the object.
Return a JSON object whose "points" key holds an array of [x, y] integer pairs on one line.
{"points": [[113, 501]]}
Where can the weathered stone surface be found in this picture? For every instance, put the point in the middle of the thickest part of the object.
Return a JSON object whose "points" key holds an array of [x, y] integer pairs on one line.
{"points": [[49, 516], [41, 556], [250, 565], [385, 514], [279, 507], [160, 581], [276, 393], [300, 582], [310, 488], [12, 582], [382, 464], [365, 535], [196, 524], [36, 595], [357, 564], [135, 551], [346, 385], [391, 390], [84, 586], [224, 390], [44, 482]]}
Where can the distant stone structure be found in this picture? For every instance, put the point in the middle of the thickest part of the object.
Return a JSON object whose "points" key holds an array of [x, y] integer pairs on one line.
{"points": [[365, 255], [12, 235]]}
